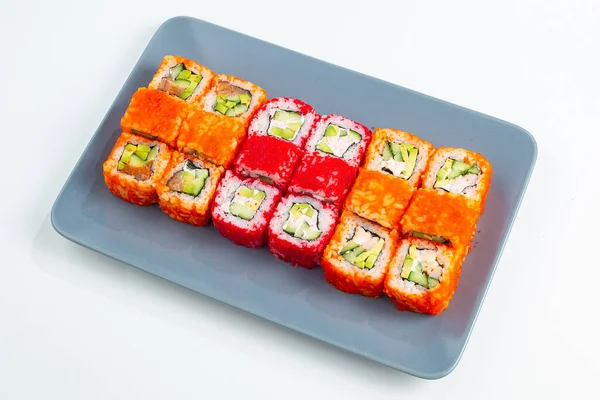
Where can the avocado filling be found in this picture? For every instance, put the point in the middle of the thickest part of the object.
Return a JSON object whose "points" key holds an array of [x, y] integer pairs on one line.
{"points": [[246, 201], [433, 238], [285, 124], [421, 267], [232, 100], [189, 180], [399, 159], [302, 222], [337, 140], [180, 82], [363, 249], [137, 160], [456, 176]]}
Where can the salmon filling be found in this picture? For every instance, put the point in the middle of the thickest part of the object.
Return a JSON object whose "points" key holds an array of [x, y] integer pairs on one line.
{"points": [[190, 179], [180, 82], [138, 161], [232, 100]]}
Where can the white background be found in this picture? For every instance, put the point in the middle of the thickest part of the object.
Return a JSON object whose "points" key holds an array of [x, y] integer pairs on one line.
{"points": [[77, 325]]}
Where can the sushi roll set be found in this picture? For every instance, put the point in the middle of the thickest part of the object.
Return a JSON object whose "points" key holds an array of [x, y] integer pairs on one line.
{"points": [[382, 211]]}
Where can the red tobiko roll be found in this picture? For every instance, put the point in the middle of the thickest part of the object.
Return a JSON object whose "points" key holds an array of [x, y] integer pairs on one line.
{"points": [[285, 118], [242, 209], [300, 230], [325, 178], [271, 160]]}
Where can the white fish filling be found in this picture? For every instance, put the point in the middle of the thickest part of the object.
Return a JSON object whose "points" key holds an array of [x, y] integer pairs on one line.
{"points": [[302, 222], [337, 140], [395, 166], [283, 122]]}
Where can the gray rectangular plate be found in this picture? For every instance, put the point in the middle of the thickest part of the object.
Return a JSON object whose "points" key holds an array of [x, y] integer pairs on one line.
{"points": [[86, 213]]}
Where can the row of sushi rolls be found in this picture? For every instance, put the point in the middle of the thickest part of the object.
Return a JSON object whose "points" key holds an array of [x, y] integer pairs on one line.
{"points": [[380, 210]]}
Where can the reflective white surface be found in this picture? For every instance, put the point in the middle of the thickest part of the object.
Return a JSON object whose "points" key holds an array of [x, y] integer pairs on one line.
{"points": [[76, 324]]}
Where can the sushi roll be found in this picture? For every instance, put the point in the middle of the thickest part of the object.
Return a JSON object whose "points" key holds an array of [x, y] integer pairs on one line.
{"points": [[269, 159], [154, 114], [214, 138], [392, 171], [423, 276], [399, 154], [460, 172], [182, 78], [133, 168], [443, 218], [187, 188], [300, 229], [234, 97], [451, 199], [284, 118], [242, 209], [325, 178], [340, 137], [356, 259]]}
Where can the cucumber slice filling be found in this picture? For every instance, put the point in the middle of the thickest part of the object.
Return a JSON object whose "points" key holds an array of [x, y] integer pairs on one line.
{"points": [[363, 249], [433, 238], [138, 160], [456, 176], [303, 222], [337, 140], [285, 124], [399, 159], [232, 100], [190, 179], [180, 82], [421, 267], [246, 201]]}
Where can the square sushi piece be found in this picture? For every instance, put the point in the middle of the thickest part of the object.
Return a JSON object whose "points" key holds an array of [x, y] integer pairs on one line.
{"points": [[154, 114], [423, 276], [284, 118], [300, 229], [182, 78], [269, 159], [133, 168], [233, 97], [340, 137], [442, 218], [242, 209], [451, 199], [392, 171], [214, 138], [459, 172], [356, 259], [188, 187], [325, 178]]}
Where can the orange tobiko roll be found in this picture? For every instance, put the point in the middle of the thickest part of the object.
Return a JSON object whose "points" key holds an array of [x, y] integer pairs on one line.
{"points": [[356, 258], [443, 218], [215, 138], [188, 187], [182, 78], [154, 114], [460, 172], [379, 197], [133, 168], [423, 275]]}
